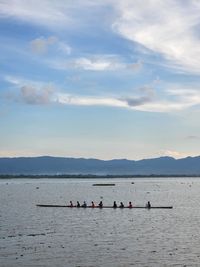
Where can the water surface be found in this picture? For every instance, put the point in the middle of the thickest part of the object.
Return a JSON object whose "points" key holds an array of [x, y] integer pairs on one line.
{"points": [[34, 236]]}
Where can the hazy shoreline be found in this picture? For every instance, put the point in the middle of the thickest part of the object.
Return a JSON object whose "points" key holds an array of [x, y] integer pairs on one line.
{"points": [[90, 176]]}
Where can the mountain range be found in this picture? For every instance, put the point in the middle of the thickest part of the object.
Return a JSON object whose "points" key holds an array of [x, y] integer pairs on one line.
{"points": [[47, 165]]}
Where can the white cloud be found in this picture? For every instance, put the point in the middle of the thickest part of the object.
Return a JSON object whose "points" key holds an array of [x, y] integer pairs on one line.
{"points": [[98, 63], [89, 101], [173, 99], [143, 99], [169, 28], [12, 80], [140, 105], [146, 100], [45, 95], [145, 95], [188, 96], [94, 63], [41, 45], [166, 27]]}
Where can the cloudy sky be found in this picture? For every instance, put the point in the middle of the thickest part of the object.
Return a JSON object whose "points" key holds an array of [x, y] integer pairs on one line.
{"points": [[102, 79]]}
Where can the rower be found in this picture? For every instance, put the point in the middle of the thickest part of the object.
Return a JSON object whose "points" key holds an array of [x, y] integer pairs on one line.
{"points": [[78, 204], [100, 204], [121, 205], [84, 204], [114, 205], [148, 205], [71, 204], [130, 205], [93, 205]]}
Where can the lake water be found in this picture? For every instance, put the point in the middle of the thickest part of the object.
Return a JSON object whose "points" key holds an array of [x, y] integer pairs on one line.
{"points": [[35, 236]]}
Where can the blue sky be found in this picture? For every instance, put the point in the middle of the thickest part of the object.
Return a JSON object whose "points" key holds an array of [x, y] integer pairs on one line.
{"points": [[100, 79]]}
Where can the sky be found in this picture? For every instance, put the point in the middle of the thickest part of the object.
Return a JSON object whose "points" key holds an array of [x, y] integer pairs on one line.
{"points": [[100, 79]]}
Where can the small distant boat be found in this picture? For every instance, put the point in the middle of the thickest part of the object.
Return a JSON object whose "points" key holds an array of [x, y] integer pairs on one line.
{"points": [[104, 184], [104, 207]]}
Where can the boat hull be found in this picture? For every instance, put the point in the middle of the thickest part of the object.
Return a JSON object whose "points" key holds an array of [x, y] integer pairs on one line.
{"points": [[104, 207]]}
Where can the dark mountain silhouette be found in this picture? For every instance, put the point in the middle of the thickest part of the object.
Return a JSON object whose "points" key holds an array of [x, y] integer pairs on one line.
{"points": [[58, 165]]}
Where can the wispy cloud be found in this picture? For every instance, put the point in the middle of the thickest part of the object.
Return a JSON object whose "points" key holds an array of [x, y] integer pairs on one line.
{"points": [[52, 14], [90, 101], [45, 95], [143, 103], [147, 102], [41, 45], [143, 99], [13, 80], [98, 63], [95, 63], [169, 28], [46, 13], [36, 92], [187, 96], [19, 82]]}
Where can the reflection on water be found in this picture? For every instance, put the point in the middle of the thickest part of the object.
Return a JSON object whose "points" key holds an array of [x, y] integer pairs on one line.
{"points": [[34, 236]]}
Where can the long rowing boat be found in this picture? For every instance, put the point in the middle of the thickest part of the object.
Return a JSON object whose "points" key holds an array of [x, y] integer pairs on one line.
{"points": [[104, 207]]}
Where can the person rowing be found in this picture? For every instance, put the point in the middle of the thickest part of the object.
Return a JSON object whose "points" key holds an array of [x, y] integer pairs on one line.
{"points": [[121, 205], [114, 205], [84, 205], [71, 204], [92, 204], [130, 205], [78, 204], [148, 205], [100, 204]]}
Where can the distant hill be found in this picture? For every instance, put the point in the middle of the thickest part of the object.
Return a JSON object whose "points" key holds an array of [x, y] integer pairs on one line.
{"points": [[58, 165]]}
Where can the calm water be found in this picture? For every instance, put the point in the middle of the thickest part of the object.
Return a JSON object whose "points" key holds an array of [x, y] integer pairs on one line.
{"points": [[34, 236]]}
